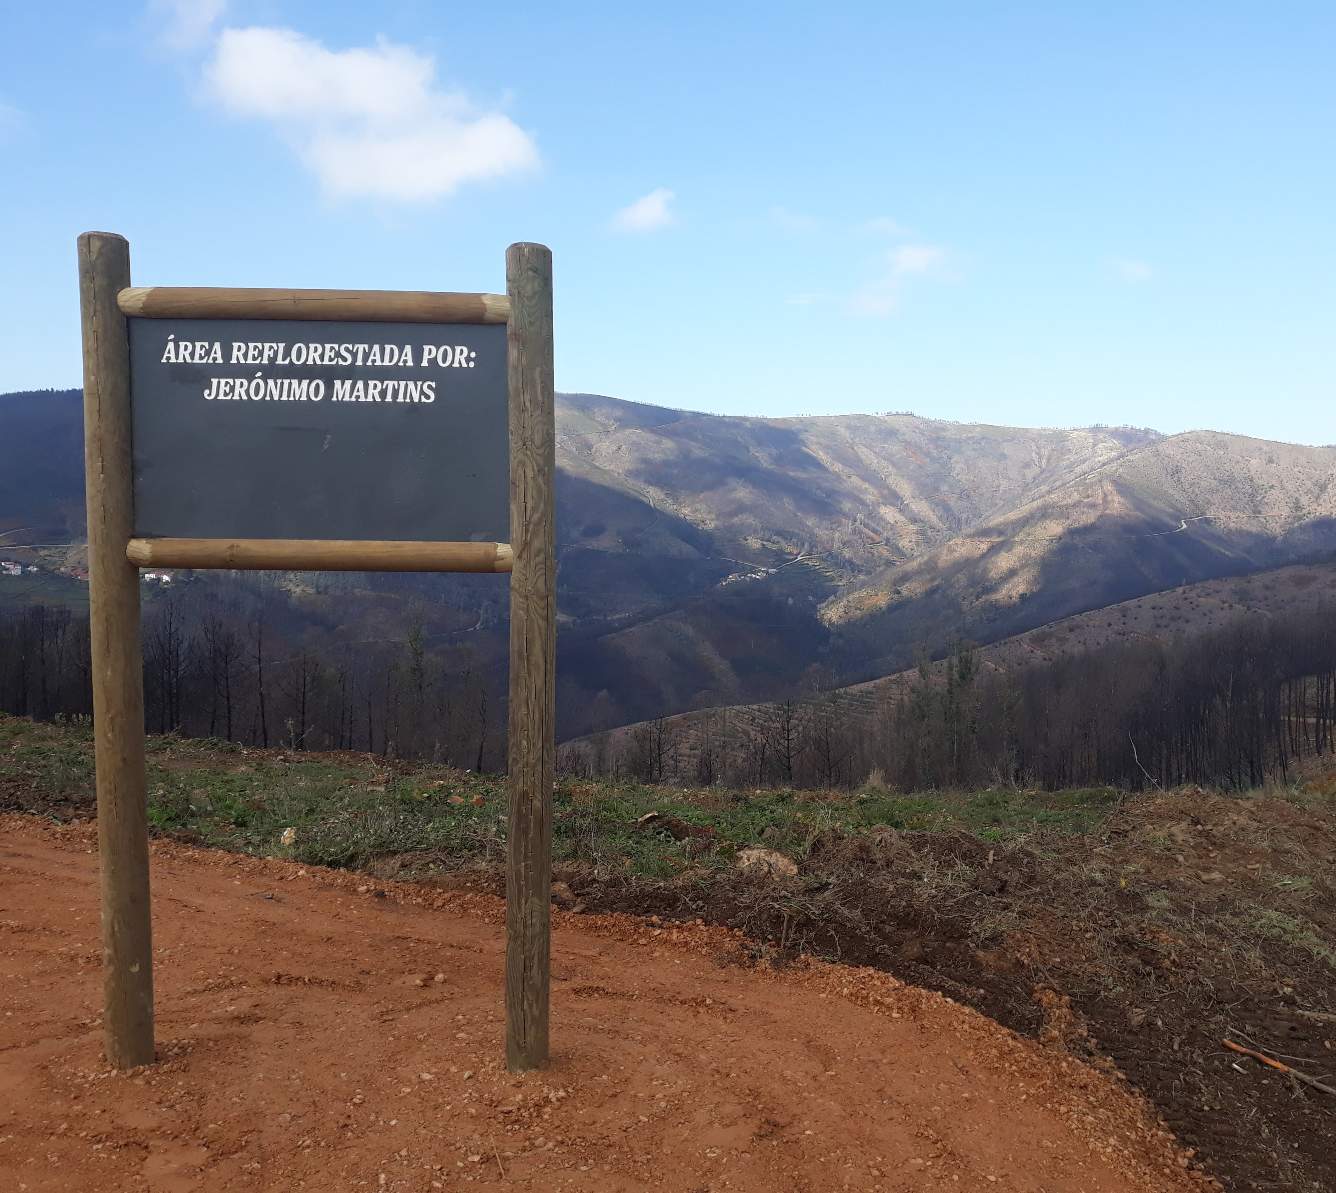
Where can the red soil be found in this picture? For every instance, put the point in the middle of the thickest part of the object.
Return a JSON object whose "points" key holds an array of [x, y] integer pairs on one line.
{"points": [[305, 1041]]}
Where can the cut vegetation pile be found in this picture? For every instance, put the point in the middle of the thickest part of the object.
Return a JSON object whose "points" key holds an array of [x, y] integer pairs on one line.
{"points": [[1147, 930]]}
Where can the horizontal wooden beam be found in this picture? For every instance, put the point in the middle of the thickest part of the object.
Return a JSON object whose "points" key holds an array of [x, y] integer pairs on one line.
{"points": [[373, 306], [319, 555]]}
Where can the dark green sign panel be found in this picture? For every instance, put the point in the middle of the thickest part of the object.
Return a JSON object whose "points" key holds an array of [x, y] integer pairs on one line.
{"points": [[319, 430]]}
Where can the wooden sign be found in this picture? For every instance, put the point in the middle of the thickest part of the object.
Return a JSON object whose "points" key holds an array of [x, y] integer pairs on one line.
{"points": [[319, 429]]}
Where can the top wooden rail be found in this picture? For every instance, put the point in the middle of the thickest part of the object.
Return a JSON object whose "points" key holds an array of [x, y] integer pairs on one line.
{"points": [[372, 306]]}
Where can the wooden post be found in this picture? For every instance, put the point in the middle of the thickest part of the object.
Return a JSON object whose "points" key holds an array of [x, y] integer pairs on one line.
{"points": [[117, 662], [533, 635]]}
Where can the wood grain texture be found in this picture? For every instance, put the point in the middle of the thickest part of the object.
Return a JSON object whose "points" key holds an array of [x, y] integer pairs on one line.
{"points": [[374, 306], [117, 662], [319, 555], [532, 655]]}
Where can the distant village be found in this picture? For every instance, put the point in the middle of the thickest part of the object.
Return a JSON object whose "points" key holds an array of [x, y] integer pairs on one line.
{"points": [[15, 567]]}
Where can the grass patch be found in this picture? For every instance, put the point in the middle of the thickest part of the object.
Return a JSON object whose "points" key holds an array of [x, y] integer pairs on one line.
{"points": [[53, 760], [1271, 923], [349, 809]]}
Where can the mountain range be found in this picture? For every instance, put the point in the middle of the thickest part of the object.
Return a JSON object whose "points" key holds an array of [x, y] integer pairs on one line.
{"points": [[707, 560]]}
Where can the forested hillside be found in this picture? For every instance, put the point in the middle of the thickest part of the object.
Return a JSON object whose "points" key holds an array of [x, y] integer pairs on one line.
{"points": [[1226, 682]]}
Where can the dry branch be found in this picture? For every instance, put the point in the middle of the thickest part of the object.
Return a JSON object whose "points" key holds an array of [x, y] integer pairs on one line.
{"points": [[1280, 1066]]}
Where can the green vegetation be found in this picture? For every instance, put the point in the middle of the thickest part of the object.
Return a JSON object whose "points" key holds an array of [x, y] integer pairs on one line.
{"points": [[348, 809], [345, 813], [51, 761], [1272, 923], [995, 814]]}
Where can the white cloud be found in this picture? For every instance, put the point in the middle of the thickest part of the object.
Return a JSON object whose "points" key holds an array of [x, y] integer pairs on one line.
{"points": [[1133, 271], [881, 296], [280, 75], [647, 213], [186, 24], [368, 121], [892, 270]]}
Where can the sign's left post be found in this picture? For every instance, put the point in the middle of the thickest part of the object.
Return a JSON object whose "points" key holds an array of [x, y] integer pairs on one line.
{"points": [[117, 660]]}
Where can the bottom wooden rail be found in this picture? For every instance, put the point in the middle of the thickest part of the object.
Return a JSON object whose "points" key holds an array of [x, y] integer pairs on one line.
{"points": [[319, 555]]}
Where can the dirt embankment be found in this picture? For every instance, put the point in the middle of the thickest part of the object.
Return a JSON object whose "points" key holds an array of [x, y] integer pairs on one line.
{"points": [[317, 1031], [1182, 920]]}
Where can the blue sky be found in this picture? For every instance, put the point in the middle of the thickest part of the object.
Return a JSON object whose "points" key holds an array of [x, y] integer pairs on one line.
{"points": [[1036, 214]]}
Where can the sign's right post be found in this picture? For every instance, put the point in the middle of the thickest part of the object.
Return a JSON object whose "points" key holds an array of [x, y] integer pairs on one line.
{"points": [[533, 636]]}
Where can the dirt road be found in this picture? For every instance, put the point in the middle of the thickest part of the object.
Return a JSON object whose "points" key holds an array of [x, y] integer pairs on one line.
{"points": [[319, 1032]]}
